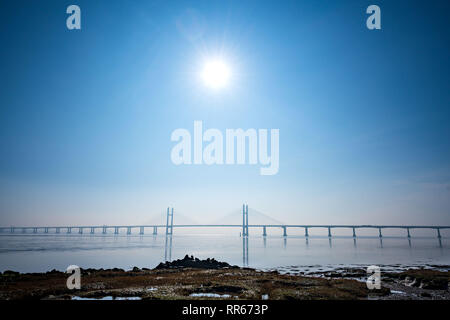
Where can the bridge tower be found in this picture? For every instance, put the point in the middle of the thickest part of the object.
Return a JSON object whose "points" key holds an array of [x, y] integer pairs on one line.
{"points": [[245, 220], [169, 221]]}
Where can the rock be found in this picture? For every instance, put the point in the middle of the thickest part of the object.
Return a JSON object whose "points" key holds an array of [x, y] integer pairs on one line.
{"points": [[54, 271], [435, 284], [426, 279], [191, 262]]}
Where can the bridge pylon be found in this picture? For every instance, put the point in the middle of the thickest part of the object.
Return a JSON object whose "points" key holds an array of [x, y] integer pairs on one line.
{"points": [[169, 222], [245, 220]]}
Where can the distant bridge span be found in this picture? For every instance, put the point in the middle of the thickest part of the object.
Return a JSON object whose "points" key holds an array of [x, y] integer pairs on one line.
{"points": [[264, 227], [245, 226]]}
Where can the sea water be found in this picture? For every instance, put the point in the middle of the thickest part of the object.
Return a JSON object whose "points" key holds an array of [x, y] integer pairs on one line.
{"points": [[45, 252]]}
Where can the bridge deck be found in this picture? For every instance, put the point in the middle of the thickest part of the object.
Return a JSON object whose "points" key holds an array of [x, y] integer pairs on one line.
{"points": [[169, 228], [245, 225], [234, 226]]}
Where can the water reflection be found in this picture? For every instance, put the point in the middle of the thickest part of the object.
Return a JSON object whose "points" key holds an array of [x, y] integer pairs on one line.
{"points": [[245, 251], [245, 245], [36, 253], [168, 247]]}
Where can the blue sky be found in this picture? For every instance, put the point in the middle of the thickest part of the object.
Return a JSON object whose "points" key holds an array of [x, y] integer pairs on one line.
{"points": [[86, 115]]}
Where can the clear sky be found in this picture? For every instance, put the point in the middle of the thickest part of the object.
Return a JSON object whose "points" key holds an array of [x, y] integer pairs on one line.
{"points": [[86, 115]]}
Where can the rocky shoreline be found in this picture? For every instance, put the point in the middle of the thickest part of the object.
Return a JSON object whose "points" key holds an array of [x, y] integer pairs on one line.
{"points": [[192, 278], [415, 284]]}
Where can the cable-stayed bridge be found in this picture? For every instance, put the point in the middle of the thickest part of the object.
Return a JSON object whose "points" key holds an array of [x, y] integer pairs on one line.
{"points": [[169, 227]]}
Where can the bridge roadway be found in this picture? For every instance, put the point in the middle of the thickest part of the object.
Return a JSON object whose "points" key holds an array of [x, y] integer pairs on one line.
{"points": [[284, 227]]}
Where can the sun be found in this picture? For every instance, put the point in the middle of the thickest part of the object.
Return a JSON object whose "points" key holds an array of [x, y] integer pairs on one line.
{"points": [[216, 74]]}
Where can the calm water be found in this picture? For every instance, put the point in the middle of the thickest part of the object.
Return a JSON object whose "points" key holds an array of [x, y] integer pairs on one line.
{"points": [[39, 253]]}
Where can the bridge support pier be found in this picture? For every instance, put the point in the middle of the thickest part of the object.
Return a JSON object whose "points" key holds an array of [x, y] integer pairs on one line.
{"points": [[284, 231], [128, 230], [306, 232], [264, 232], [155, 230], [69, 230], [438, 233], [329, 232], [409, 235], [379, 233], [104, 230], [141, 232], [92, 230], [116, 230], [354, 233], [57, 230], [80, 230], [12, 229], [46, 230]]}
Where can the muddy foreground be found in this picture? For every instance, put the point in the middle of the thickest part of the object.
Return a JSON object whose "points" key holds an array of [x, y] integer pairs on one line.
{"points": [[190, 278]]}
